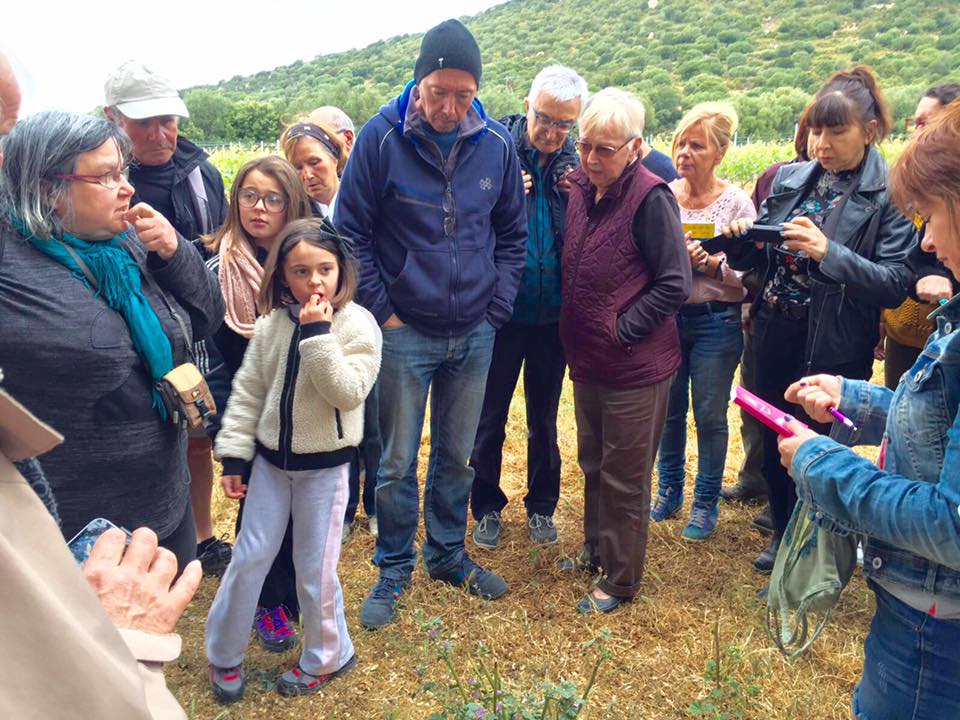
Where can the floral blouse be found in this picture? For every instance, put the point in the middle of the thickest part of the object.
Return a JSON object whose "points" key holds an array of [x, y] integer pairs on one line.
{"points": [[789, 286]]}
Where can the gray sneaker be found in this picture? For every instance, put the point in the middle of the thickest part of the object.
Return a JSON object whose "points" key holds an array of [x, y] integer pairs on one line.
{"points": [[227, 684], [542, 531], [380, 605], [486, 533]]}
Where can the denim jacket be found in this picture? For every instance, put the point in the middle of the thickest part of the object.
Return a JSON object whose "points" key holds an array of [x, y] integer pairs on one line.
{"points": [[910, 510]]}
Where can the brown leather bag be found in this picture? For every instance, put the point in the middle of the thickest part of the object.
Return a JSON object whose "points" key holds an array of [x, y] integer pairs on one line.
{"points": [[187, 397]]}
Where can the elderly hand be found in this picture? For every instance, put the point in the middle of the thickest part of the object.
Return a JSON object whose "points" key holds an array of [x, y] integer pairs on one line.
{"points": [[788, 446], [803, 235], [564, 183], [527, 181], [698, 256], [133, 585], [816, 394], [933, 288], [233, 486], [155, 231], [318, 309]]}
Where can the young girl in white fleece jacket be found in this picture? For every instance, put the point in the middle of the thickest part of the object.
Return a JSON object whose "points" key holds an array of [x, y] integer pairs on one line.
{"points": [[296, 414]]}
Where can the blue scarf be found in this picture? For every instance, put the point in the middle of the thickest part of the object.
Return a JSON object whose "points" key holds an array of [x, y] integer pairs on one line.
{"points": [[119, 280]]}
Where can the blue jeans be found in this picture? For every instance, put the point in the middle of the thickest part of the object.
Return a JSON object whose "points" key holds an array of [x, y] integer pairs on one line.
{"points": [[454, 371], [711, 340], [911, 667]]}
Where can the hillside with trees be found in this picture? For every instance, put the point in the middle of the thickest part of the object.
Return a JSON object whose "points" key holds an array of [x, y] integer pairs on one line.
{"points": [[767, 58]]}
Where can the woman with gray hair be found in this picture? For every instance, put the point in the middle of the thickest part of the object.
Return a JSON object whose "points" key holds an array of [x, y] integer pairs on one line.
{"points": [[98, 300], [626, 272]]}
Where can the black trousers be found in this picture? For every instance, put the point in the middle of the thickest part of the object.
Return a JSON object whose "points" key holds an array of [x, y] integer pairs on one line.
{"points": [[537, 348], [779, 346], [367, 458], [182, 542]]}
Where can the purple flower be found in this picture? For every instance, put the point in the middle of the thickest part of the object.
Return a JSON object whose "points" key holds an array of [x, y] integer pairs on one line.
{"points": [[472, 681], [418, 671], [432, 634], [481, 713]]}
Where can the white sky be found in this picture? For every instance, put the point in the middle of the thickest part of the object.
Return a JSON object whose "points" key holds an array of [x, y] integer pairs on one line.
{"points": [[62, 51]]}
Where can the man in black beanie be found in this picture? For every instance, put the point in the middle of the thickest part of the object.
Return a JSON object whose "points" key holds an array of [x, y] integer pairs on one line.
{"points": [[433, 199]]}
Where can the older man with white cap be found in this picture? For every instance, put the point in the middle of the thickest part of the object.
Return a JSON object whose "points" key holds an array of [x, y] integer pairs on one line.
{"points": [[173, 176]]}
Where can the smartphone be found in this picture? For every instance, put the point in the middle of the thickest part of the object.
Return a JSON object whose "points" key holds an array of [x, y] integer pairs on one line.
{"points": [[770, 415], [82, 543], [765, 233]]}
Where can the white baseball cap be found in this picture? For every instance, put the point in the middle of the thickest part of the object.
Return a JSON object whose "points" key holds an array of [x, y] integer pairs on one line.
{"points": [[139, 93]]}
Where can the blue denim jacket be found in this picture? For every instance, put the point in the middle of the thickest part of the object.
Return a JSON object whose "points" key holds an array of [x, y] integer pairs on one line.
{"points": [[910, 511]]}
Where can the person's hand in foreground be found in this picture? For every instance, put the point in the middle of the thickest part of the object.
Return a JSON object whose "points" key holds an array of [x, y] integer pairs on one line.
{"points": [[134, 583]]}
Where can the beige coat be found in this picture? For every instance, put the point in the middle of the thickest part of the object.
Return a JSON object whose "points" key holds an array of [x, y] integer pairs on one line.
{"points": [[62, 657]]}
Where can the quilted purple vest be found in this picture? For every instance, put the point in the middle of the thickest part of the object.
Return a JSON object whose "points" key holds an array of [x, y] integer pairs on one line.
{"points": [[603, 274]]}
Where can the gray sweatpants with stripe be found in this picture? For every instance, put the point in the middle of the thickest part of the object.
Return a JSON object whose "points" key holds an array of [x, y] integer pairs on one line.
{"points": [[318, 499]]}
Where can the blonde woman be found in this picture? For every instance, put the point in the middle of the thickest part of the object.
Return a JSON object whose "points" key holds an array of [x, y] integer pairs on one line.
{"points": [[711, 338]]}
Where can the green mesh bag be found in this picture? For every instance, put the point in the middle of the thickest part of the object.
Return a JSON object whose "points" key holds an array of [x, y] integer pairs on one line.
{"points": [[813, 567]]}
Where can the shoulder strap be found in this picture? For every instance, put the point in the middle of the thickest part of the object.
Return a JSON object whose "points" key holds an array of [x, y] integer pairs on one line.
{"points": [[83, 266], [200, 202]]}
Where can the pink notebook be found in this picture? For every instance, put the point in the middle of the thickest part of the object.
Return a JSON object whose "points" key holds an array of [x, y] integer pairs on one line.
{"points": [[769, 415]]}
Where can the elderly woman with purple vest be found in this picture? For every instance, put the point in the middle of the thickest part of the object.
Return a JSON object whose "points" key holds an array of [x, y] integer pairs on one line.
{"points": [[626, 273]]}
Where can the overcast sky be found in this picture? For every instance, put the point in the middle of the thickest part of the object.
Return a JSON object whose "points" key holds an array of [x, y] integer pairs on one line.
{"points": [[63, 51]]}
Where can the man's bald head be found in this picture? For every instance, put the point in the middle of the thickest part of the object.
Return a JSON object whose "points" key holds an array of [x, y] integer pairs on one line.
{"points": [[338, 120], [9, 99]]}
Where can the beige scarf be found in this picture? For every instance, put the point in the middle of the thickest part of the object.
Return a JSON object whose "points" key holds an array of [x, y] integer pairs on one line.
{"points": [[240, 279]]}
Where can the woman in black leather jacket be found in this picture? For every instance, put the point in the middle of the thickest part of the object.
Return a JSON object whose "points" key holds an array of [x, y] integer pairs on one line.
{"points": [[841, 260]]}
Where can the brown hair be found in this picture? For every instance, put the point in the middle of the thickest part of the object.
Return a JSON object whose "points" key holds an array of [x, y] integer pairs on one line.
{"points": [[929, 167], [719, 121], [289, 144], [298, 202], [321, 234], [848, 97], [801, 138]]}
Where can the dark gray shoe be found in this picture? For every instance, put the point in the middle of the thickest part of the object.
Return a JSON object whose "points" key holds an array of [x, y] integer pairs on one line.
{"points": [[745, 492], [766, 559], [763, 522], [542, 530], [380, 606], [474, 579], [486, 533]]}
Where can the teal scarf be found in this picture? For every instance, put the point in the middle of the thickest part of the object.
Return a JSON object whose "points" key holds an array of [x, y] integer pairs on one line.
{"points": [[119, 280]]}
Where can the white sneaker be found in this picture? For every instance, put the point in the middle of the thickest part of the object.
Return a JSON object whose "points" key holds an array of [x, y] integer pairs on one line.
{"points": [[372, 526]]}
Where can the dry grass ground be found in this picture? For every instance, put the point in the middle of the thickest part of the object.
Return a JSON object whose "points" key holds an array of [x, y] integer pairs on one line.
{"points": [[660, 643]]}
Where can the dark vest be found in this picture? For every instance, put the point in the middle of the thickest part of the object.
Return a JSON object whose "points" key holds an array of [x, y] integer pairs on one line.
{"points": [[603, 275]]}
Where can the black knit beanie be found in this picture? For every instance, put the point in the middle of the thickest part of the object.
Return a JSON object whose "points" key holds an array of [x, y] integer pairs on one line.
{"points": [[447, 46]]}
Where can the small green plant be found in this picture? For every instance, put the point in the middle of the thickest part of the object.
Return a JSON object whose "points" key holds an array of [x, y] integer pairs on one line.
{"points": [[732, 691], [481, 694]]}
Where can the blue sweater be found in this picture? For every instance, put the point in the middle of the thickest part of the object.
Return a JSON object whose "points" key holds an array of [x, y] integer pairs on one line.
{"points": [[440, 243]]}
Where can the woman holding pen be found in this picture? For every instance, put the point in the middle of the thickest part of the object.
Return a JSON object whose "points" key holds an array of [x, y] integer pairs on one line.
{"points": [[908, 504], [840, 262]]}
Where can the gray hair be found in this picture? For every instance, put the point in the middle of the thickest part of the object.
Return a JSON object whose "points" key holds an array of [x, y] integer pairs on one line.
{"points": [[41, 147], [560, 83], [613, 108], [332, 115]]}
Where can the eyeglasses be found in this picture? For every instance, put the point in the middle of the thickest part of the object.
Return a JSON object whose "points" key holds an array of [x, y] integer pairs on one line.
{"points": [[548, 122], [605, 152], [450, 219], [110, 180], [272, 202]]}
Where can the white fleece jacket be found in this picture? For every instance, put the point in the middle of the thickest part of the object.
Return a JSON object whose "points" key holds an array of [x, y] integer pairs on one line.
{"points": [[338, 364]]}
